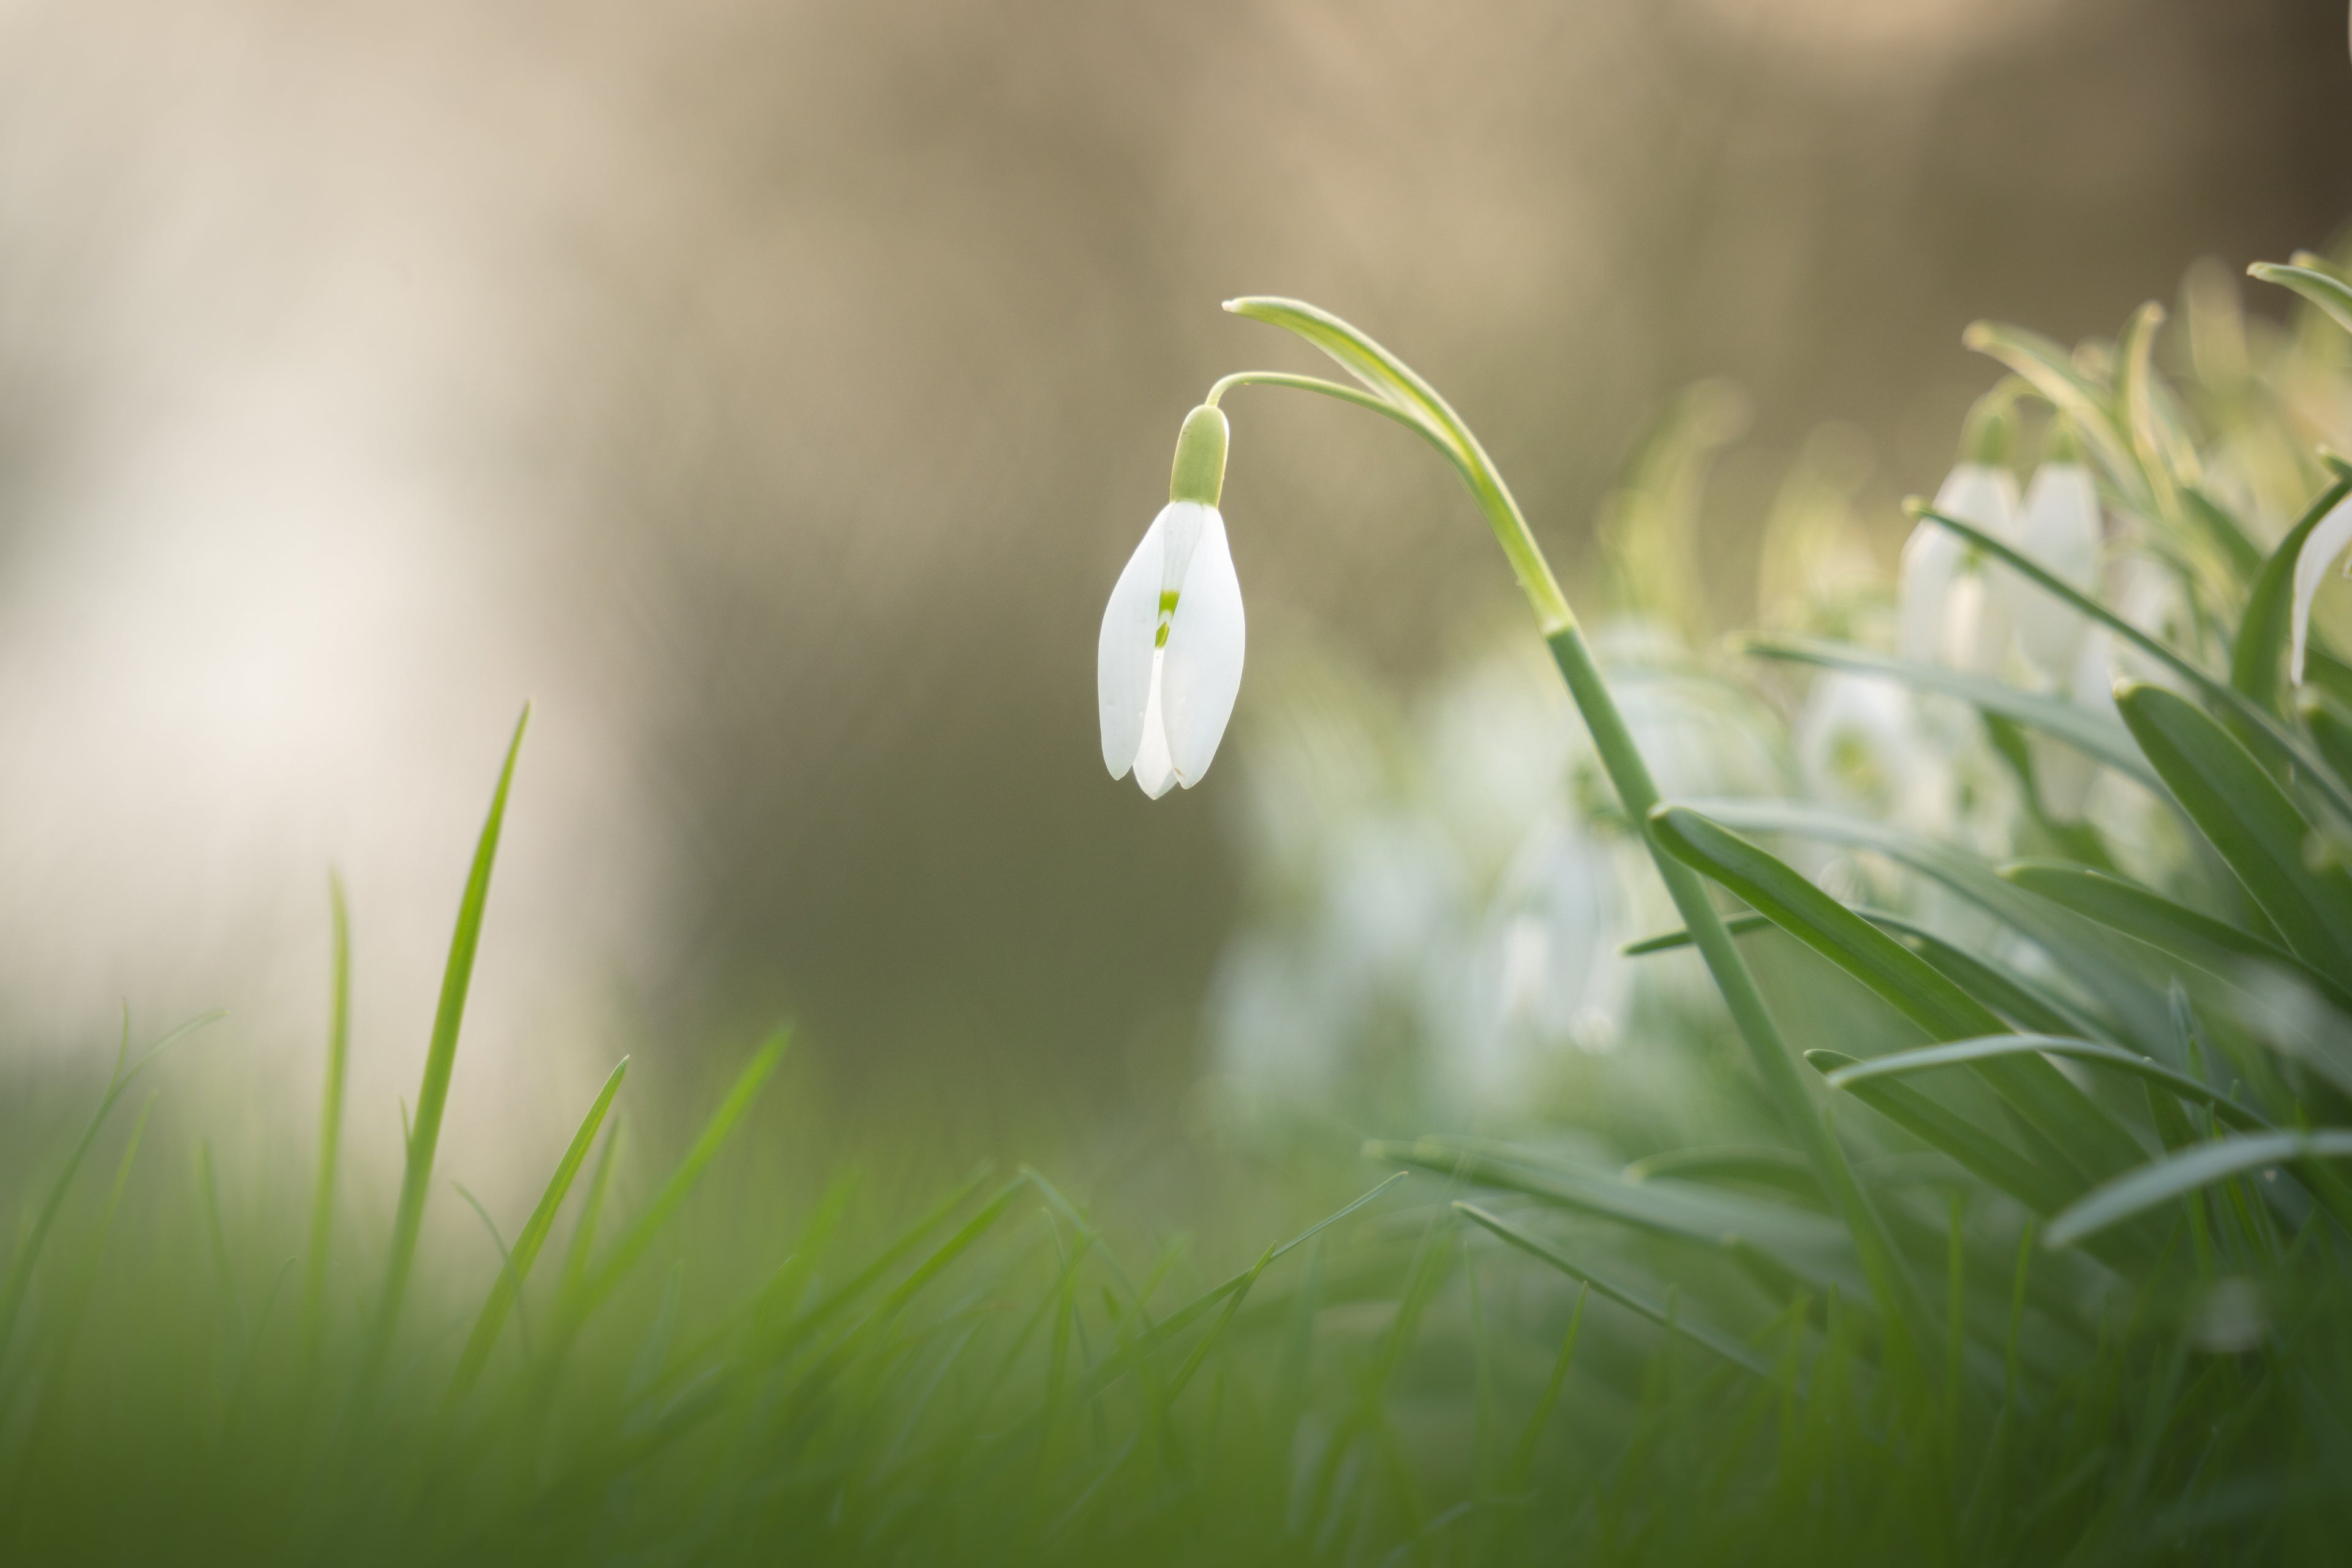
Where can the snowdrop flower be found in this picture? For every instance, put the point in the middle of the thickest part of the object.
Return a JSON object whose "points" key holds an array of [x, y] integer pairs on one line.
{"points": [[1943, 610], [1170, 662], [2321, 546], [2058, 528]]}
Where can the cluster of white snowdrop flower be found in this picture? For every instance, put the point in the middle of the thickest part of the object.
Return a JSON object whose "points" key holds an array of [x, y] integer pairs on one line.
{"points": [[1440, 890]]}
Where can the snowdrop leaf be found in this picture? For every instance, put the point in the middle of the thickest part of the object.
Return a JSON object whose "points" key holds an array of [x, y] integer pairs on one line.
{"points": [[1975, 1151], [2223, 531], [2265, 630], [2197, 939], [2159, 1181], [2050, 371], [2091, 733], [1964, 1053], [2166, 457], [2085, 953], [2330, 296], [1780, 893], [2249, 820], [2044, 1098]]}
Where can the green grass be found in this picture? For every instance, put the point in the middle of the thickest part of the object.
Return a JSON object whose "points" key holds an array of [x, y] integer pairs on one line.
{"points": [[2075, 1286]]}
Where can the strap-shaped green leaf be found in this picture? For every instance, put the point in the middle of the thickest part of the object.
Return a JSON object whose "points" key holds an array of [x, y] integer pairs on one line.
{"points": [[1967, 1053], [2330, 295], [2044, 1098], [2249, 820], [1979, 1152], [2160, 1180], [2085, 953], [2050, 371], [2170, 927], [2262, 633], [2098, 738]]}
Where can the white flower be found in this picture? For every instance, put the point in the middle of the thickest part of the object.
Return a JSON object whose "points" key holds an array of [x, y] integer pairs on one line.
{"points": [[2321, 546], [1170, 662], [1943, 612], [2058, 530]]}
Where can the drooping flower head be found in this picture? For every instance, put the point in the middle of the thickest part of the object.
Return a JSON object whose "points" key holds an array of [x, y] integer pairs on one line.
{"points": [[2059, 528], [1945, 609], [1169, 664]]}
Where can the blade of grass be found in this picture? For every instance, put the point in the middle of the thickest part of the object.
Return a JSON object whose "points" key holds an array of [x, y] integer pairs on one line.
{"points": [[1962, 1053], [681, 1183], [2159, 1181], [29, 1250], [516, 1271], [440, 1059], [1721, 1343], [331, 1124]]}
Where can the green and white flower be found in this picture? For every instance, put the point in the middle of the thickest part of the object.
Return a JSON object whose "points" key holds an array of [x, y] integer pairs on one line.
{"points": [[1169, 664]]}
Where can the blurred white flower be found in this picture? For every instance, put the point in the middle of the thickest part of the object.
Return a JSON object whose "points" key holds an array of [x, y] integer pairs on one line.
{"points": [[2062, 776], [1169, 664], [1860, 742], [1945, 611], [2320, 549], [1547, 972], [2058, 529]]}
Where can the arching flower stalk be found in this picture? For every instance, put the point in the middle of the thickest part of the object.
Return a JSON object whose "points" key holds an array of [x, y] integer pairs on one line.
{"points": [[1388, 387]]}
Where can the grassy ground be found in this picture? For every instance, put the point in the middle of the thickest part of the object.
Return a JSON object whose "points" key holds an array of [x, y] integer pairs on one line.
{"points": [[2063, 1277]]}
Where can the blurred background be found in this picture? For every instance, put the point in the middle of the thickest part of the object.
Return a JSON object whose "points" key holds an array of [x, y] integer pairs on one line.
{"points": [[771, 392]]}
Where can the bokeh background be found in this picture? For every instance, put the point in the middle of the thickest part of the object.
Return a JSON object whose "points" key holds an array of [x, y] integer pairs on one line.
{"points": [[772, 391]]}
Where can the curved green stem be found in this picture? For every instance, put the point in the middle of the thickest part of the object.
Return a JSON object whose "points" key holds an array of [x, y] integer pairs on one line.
{"points": [[1398, 392]]}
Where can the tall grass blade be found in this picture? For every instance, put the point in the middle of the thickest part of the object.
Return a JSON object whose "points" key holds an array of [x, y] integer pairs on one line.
{"points": [[515, 1273], [1962, 1053], [1714, 1339], [2159, 1181], [29, 1250], [440, 1059], [681, 1183], [331, 1124]]}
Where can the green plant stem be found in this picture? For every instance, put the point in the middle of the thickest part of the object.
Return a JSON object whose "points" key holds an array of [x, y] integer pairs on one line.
{"points": [[1629, 775]]}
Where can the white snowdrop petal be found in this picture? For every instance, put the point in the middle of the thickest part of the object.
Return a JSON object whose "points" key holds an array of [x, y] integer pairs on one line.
{"points": [[2058, 528], [1124, 657], [1154, 773], [1931, 558], [2321, 546], [1205, 642], [1982, 495]]}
